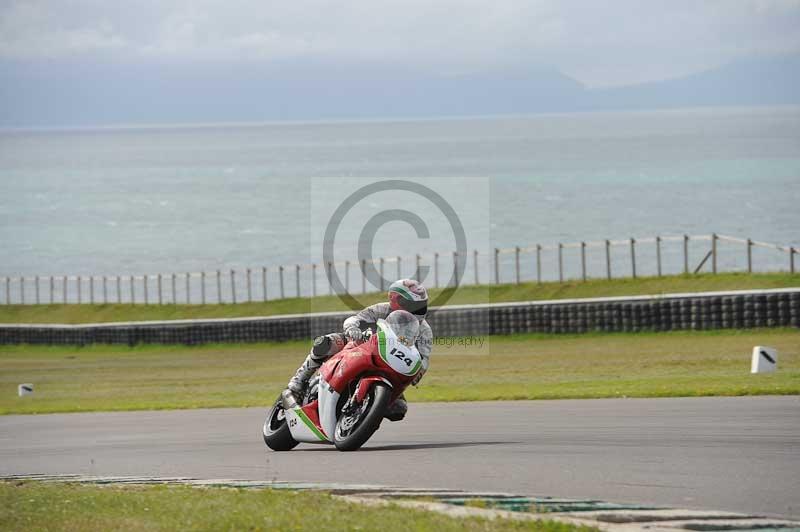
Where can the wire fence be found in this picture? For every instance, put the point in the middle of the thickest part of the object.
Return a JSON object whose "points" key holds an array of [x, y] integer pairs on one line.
{"points": [[562, 262]]}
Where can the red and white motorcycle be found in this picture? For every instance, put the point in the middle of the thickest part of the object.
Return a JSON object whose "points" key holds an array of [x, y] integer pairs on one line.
{"points": [[346, 401]]}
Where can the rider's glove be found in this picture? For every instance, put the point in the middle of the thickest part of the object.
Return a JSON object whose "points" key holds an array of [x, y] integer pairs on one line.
{"points": [[418, 377], [354, 333]]}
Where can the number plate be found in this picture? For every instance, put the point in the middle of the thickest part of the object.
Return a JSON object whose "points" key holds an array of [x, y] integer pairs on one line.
{"points": [[402, 359]]}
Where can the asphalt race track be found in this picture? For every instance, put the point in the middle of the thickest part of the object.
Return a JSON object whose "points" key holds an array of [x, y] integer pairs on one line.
{"points": [[734, 454]]}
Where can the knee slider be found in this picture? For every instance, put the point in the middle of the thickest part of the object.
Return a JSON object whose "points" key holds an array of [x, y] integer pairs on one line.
{"points": [[322, 346]]}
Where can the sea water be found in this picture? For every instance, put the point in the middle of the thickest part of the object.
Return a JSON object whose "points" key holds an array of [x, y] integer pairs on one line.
{"points": [[166, 199]]}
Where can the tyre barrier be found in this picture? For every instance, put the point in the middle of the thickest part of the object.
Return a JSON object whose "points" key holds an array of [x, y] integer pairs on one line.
{"points": [[705, 311]]}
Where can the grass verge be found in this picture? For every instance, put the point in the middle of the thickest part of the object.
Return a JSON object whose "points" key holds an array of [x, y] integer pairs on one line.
{"points": [[464, 295], [45, 506], [672, 364]]}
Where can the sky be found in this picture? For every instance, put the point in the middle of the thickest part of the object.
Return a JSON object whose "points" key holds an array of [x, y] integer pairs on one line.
{"points": [[598, 43], [67, 61]]}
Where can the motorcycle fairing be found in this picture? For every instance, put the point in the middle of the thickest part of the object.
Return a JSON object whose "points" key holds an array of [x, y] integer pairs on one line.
{"points": [[343, 368], [303, 424], [315, 421], [328, 399], [403, 359]]}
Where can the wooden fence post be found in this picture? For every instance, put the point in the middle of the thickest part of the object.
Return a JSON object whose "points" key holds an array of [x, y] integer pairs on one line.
{"points": [[539, 263], [329, 270], [583, 261], [633, 257], [436, 269], [455, 269], [475, 261], [363, 276], [658, 255], [686, 254], [314, 280], [714, 252], [249, 287], [496, 266], [560, 262]]}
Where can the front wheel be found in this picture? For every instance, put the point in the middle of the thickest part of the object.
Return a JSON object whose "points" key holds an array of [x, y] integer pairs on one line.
{"points": [[276, 430], [356, 426]]}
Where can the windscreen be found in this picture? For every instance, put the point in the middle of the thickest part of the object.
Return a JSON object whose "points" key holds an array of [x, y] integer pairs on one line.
{"points": [[405, 325]]}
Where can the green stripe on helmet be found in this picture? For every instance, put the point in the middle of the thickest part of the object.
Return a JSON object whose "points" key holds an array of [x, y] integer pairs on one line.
{"points": [[403, 292]]}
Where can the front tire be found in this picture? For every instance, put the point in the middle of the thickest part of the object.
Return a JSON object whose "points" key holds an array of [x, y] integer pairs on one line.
{"points": [[353, 431], [276, 431]]}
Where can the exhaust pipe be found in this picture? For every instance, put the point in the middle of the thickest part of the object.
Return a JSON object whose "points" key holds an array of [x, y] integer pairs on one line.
{"points": [[287, 400]]}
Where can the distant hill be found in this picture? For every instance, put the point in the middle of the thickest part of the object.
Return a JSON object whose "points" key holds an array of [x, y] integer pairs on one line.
{"points": [[768, 81], [76, 94]]}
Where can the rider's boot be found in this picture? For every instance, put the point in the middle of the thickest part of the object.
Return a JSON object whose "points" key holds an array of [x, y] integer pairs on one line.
{"points": [[324, 347], [297, 384], [396, 411]]}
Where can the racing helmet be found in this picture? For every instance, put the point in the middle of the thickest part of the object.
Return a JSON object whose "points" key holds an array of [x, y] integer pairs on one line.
{"points": [[408, 295], [405, 325]]}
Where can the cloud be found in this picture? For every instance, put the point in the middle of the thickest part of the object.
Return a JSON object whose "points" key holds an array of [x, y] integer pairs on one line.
{"points": [[599, 43], [30, 30]]}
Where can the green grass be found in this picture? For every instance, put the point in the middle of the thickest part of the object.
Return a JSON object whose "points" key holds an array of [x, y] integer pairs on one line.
{"points": [[464, 295], [97, 378], [49, 506]]}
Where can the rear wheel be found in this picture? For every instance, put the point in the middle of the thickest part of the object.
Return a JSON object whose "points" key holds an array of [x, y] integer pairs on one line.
{"points": [[358, 423], [276, 430]]}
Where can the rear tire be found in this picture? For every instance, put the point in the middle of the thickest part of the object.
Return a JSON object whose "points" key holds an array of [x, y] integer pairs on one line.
{"points": [[377, 400], [276, 431]]}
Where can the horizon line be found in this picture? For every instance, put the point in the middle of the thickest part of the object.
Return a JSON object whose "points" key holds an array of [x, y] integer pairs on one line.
{"points": [[371, 120]]}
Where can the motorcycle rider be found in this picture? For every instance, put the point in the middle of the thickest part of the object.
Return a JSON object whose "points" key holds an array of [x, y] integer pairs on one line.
{"points": [[405, 294]]}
